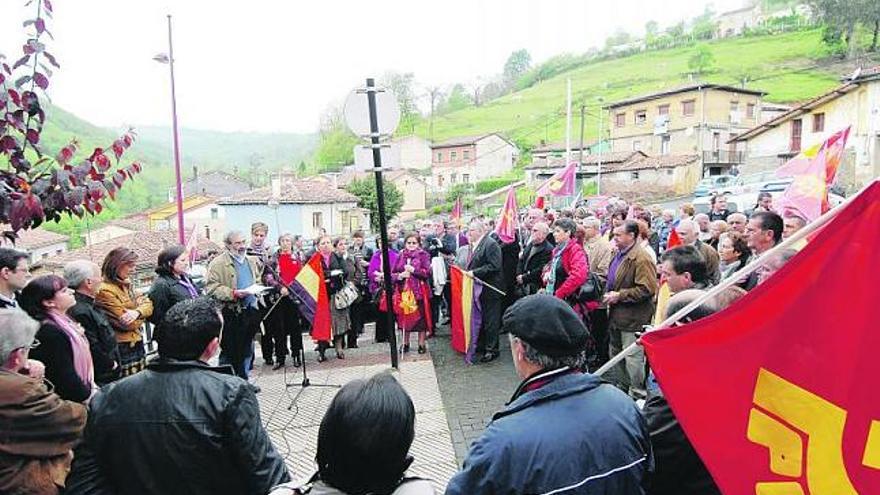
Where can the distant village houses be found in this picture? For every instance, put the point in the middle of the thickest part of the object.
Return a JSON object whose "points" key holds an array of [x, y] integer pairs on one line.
{"points": [[466, 160]]}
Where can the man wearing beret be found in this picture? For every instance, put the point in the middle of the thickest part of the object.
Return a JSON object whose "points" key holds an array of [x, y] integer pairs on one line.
{"points": [[563, 431]]}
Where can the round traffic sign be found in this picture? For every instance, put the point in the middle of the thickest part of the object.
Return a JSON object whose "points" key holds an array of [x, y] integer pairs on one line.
{"points": [[357, 112]]}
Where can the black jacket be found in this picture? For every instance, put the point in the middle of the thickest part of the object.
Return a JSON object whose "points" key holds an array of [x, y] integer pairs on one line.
{"points": [[337, 273], [177, 427], [56, 353], [165, 292], [102, 338], [486, 263], [535, 257]]}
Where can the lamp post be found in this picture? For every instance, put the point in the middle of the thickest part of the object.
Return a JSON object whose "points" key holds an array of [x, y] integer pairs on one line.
{"points": [[169, 59]]}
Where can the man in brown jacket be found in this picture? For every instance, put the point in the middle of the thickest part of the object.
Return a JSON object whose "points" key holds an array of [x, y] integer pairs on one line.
{"points": [[228, 275], [630, 291], [39, 429]]}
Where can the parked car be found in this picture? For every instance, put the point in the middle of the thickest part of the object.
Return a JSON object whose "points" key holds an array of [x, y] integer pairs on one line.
{"points": [[726, 184]]}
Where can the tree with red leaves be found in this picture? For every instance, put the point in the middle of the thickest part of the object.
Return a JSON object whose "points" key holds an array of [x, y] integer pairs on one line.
{"points": [[35, 186]]}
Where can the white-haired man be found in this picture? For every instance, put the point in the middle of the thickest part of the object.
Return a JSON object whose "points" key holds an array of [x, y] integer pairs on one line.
{"points": [[84, 277], [484, 263], [39, 428], [689, 233]]}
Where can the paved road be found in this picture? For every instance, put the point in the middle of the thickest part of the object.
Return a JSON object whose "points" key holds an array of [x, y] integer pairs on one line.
{"points": [[470, 393]]}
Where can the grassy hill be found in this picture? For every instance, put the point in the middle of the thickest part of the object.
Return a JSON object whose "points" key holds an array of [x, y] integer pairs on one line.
{"points": [[790, 67]]}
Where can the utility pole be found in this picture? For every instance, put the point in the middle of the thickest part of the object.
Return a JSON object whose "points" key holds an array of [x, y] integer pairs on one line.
{"points": [[599, 154], [581, 150]]}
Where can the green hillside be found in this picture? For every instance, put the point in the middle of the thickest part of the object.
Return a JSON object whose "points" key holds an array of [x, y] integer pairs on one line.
{"points": [[790, 67]]}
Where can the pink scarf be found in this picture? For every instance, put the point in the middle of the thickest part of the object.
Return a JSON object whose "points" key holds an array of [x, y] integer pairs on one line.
{"points": [[82, 355]]}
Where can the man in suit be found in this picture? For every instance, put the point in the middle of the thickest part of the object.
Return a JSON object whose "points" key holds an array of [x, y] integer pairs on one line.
{"points": [[535, 257], [484, 263], [630, 291], [14, 275]]}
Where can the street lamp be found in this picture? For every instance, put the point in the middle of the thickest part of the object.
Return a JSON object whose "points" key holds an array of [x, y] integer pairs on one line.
{"points": [[168, 58]]}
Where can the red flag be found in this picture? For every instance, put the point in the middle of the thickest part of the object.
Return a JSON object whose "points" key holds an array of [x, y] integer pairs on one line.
{"points": [[673, 240], [776, 393], [813, 171], [456, 212], [505, 227], [539, 202], [311, 290], [561, 184]]}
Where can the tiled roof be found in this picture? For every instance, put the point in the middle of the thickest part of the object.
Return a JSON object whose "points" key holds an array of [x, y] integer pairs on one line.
{"points": [[134, 223], [684, 89], [391, 175], [466, 140], [146, 244], [551, 147], [35, 238], [293, 192], [589, 159]]}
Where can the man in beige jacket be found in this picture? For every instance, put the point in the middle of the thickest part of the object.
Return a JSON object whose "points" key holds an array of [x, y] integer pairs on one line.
{"points": [[599, 252]]}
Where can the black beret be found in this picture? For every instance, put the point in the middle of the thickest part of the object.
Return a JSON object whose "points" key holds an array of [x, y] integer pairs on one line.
{"points": [[548, 324]]}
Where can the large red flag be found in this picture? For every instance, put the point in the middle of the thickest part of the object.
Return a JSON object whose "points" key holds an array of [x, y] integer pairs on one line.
{"points": [[506, 225], [457, 213], [777, 393], [311, 290]]}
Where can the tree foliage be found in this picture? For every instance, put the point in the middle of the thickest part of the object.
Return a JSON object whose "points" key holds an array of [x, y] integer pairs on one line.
{"points": [[365, 190], [842, 18], [457, 99], [403, 86], [36, 186], [518, 63], [701, 61]]}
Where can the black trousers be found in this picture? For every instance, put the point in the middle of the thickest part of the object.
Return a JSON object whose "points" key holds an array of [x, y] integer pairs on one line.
{"points": [[599, 330], [236, 346], [490, 303], [282, 323]]}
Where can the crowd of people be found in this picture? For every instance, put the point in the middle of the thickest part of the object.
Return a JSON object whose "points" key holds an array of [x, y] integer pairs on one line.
{"points": [[573, 287]]}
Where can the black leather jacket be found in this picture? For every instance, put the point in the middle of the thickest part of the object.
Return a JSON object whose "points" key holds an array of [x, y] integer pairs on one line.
{"points": [[177, 427]]}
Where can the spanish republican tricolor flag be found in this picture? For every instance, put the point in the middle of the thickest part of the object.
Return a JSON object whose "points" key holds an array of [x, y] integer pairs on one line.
{"points": [[309, 287], [777, 392], [466, 313]]}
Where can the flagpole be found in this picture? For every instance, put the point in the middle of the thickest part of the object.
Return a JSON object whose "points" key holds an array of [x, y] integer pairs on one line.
{"points": [[467, 274], [736, 277], [568, 123]]}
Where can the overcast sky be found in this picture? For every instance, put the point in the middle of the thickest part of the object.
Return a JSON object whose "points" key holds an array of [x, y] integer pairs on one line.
{"points": [[275, 65]]}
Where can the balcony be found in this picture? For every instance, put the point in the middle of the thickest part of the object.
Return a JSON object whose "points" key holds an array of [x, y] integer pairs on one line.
{"points": [[722, 157]]}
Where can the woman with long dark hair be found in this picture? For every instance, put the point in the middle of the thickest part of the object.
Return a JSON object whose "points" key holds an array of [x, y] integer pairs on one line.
{"points": [[411, 272], [64, 347], [172, 284], [337, 271], [125, 310]]}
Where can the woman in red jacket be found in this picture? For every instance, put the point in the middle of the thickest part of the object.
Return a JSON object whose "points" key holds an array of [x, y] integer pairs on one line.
{"points": [[568, 268]]}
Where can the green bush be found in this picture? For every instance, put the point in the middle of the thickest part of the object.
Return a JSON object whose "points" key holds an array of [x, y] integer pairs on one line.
{"points": [[489, 185], [459, 190]]}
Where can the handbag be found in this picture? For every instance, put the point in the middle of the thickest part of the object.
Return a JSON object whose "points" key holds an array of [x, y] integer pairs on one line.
{"points": [[591, 290], [346, 296]]}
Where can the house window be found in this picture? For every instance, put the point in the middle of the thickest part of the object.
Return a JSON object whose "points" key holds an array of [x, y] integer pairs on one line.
{"points": [[663, 110], [440, 181], [465, 178], [641, 117], [207, 232], [620, 120], [797, 128], [687, 107], [634, 175], [452, 156], [819, 122], [317, 220], [750, 110], [669, 171], [453, 178], [215, 213], [734, 106], [344, 217], [637, 145], [664, 145], [466, 155], [439, 156]]}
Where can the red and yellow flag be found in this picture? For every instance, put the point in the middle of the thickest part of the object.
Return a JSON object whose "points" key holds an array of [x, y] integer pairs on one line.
{"points": [[457, 213], [309, 287], [467, 315], [561, 184], [777, 392], [505, 227], [813, 171]]}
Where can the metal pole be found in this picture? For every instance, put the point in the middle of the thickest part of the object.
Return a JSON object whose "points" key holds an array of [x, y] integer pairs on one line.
{"points": [[599, 156], [383, 227], [180, 233], [581, 150]]}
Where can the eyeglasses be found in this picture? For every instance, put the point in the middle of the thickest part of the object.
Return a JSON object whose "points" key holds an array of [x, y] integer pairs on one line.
{"points": [[33, 345]]}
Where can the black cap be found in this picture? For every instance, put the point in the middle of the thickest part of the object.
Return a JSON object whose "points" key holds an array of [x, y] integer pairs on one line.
{"points": [[547, 324]]}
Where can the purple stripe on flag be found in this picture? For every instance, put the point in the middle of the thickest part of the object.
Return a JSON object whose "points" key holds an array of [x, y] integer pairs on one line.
{"points": [[476, 321], [309, 305]]}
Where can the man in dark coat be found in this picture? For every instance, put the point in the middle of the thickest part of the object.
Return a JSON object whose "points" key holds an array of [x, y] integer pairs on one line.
{"points": [[14, 276], [84, 277], [484, 263], [180, 426], [535, 257], [563, 431], [510, 252]]}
